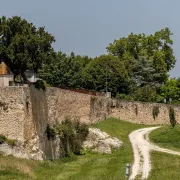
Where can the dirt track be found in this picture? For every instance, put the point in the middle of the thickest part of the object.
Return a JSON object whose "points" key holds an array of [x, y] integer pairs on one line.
{"points": [[142, 147]]}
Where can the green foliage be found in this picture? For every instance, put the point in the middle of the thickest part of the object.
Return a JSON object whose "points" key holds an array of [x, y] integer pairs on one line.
{"points": [[145, 94], [96, 166], [23, 46], [10, 142], [71, 134], [167, 137], [146, 58], [136, 109], [164, 166], [63, 70], [105, 68], [171, 89], [125, 97], [92, 165], [2, 139], [94, 98], [155, 111], [39, 84], [50, 132], [172, 116]]}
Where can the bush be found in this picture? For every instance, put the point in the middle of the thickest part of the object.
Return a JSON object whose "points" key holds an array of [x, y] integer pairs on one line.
{"points": [[71, 134], [2, 139], [145, 94], [172, 116], [10, 142], [155, 112], [124, 97], [39, 84], [50, 132]]}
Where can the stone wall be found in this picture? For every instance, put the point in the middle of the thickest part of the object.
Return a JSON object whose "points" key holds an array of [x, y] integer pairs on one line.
{"points": [[67, 104], [25, 113], [135, 112], [142, 113]]}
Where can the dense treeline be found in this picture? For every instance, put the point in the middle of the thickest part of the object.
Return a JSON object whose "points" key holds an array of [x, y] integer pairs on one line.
{"points": [[135, 67]]}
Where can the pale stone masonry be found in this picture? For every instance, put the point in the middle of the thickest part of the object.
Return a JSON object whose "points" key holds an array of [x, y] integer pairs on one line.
{"points": [[25, 113]]}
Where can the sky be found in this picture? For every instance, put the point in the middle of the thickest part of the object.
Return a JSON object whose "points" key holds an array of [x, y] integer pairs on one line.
{"points": [[88, 26]]}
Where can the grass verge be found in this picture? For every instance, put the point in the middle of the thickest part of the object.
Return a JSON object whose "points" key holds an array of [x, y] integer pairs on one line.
{"points": [[12, 168], [164, 166], [167, 137]]}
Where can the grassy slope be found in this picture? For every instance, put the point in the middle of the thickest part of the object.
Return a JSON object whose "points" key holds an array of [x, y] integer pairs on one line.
{"points": [[14, 168], [167, 137], [90, 166], [165, 166]]}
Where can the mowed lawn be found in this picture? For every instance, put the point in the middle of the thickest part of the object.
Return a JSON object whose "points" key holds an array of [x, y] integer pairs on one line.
{"points": [[85, 167], [167, 137], [165, 166]]}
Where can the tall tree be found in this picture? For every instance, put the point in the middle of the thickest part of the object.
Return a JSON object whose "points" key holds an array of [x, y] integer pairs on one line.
{"points": [[23, 46], [63, 70], [104, 72], [157, 49], [171, 89]]}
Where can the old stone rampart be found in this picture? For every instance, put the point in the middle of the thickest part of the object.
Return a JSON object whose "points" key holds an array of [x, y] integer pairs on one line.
{"points": [[26, 111]]}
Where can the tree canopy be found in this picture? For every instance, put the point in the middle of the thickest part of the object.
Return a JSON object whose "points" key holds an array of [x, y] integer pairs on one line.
{"points": [[135, 68], [171, 90], [156, 48], [23, 46], [106, 70]]}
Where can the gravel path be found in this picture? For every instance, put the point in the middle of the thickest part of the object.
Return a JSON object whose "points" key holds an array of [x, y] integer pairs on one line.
{"points": [[142, 147]]}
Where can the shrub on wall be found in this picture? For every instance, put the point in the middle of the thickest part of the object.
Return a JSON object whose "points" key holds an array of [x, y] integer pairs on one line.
{"points": [[71, 134], [39, 84], [172, 116], [155, 112], [136, 109], [10, 142], [50, 132], [2, 139]]}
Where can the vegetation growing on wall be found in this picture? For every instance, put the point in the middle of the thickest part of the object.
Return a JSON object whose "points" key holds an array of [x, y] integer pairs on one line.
{"points": [[2, 139], [172, 116], [136, 109], [10, 142], [155, 112], [71, 134], [50, 132]]}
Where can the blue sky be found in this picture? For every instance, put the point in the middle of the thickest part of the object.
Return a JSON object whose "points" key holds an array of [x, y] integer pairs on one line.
{"points": [[88, 26]]}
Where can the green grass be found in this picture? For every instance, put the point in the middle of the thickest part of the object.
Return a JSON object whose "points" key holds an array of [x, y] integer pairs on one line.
{"points": [[164, 166], [12, 168], [167, 137], [98, 166], [85, 167]]}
